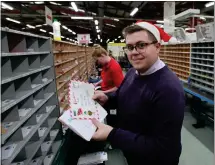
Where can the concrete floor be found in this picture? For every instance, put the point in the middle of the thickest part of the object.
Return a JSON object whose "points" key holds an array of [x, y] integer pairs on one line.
{"points": [[198, 144]]}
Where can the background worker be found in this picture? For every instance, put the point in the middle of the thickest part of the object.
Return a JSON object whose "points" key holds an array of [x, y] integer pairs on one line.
{"points": [[111, 74]]}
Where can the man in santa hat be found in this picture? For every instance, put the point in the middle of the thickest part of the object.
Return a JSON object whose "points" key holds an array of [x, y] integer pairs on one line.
{"points": [[150, 103]]}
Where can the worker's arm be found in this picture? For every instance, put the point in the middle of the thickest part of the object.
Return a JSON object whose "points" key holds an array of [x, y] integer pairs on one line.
{"points": [[114, 89], [166, 133], [117, 77], [98, 83]]}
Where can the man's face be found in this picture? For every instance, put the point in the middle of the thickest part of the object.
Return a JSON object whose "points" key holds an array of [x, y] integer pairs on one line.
{"points": [[145, 55]]}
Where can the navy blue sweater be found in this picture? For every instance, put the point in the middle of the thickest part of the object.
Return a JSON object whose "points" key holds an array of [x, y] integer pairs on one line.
{"points": [[150, 110]]}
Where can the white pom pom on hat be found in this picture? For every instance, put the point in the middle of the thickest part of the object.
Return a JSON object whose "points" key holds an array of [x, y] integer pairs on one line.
{"points": [[159, 33]]}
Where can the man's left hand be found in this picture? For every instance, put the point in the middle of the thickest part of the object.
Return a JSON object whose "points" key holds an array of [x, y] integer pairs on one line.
{"points": [[102, 132]]}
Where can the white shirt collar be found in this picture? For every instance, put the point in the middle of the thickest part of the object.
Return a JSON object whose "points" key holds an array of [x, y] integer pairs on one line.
{"points": [[155, 67]]}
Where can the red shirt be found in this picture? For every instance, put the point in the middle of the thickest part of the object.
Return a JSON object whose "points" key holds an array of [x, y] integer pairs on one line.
{"points": [[111, 75]]}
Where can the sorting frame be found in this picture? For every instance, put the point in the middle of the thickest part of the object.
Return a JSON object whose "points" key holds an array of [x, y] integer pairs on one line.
{"points": [[29, 105], [193, 62], [72, 62]]}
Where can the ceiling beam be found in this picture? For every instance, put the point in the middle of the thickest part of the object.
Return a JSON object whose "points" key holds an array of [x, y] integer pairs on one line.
{"points": [[64, 16], [119, 6], [206, 9], [126, 10]]}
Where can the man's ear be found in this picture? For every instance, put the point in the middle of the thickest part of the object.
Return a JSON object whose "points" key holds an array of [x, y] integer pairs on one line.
{"points": [[158, 47]]}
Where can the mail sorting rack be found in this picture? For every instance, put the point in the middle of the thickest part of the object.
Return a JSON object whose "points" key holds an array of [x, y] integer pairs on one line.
{"points": [[66, 68], [82, 60], [30, 131], [177, 57], [202, 66], [70, 63], [90, 62]]}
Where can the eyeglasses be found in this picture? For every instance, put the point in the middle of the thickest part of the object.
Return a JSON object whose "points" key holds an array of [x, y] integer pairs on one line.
{"points": [[140, 46]]}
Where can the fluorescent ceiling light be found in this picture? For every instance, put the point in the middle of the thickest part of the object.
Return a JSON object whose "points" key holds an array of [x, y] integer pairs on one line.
{"points": [[160, 21], [209, 4], [96, 22], [119, 37], [99, 37], [67, 38], [53, 3], [39, 25], [203, 18], [6, 6], [116, 19], [81, 17], [97, 28], [51, 33], [101, 40], [107, 40], [189, 29], [74, 33], [159, 25], [63, 13], [30, 26], [43, 30], [64, 27], [13, 20], [115, 39], [81, 10], [39, 2], [110, 25], [93, 13], [74, 6], [70, 30], [62, 37], [134, 11], [98, 31]]}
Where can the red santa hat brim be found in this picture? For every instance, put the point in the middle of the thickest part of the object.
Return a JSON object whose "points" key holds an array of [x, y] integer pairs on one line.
{"points": [[151, 28], [158, 32]]}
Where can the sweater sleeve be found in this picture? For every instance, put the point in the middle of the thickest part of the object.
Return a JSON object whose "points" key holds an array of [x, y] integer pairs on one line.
{"points": [[166, 132], [112, 97]]}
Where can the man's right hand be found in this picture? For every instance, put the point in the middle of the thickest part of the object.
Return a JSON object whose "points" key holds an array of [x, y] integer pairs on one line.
{"points": [[95, 84], [100, 97]]}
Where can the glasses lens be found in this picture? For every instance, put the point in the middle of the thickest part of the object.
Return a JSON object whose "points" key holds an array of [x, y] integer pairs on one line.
{"points": [[130, 47], [141, 45]]}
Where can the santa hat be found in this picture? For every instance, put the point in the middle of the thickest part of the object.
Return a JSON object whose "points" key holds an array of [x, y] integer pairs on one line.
{"points": [[159, 33]]}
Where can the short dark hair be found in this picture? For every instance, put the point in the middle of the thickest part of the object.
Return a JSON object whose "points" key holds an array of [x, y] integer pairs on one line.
{"points": [[135, 28]]}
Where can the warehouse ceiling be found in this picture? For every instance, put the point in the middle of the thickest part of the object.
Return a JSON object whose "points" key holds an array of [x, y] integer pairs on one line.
{"points": [[112, 16]]}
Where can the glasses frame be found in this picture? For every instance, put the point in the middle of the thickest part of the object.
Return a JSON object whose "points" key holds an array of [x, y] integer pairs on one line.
{"points": [[126, 50]]}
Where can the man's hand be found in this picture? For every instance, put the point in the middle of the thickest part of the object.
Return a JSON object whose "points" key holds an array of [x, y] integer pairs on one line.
{"points": [[95, 84], [102, 132], [100, 97]]}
